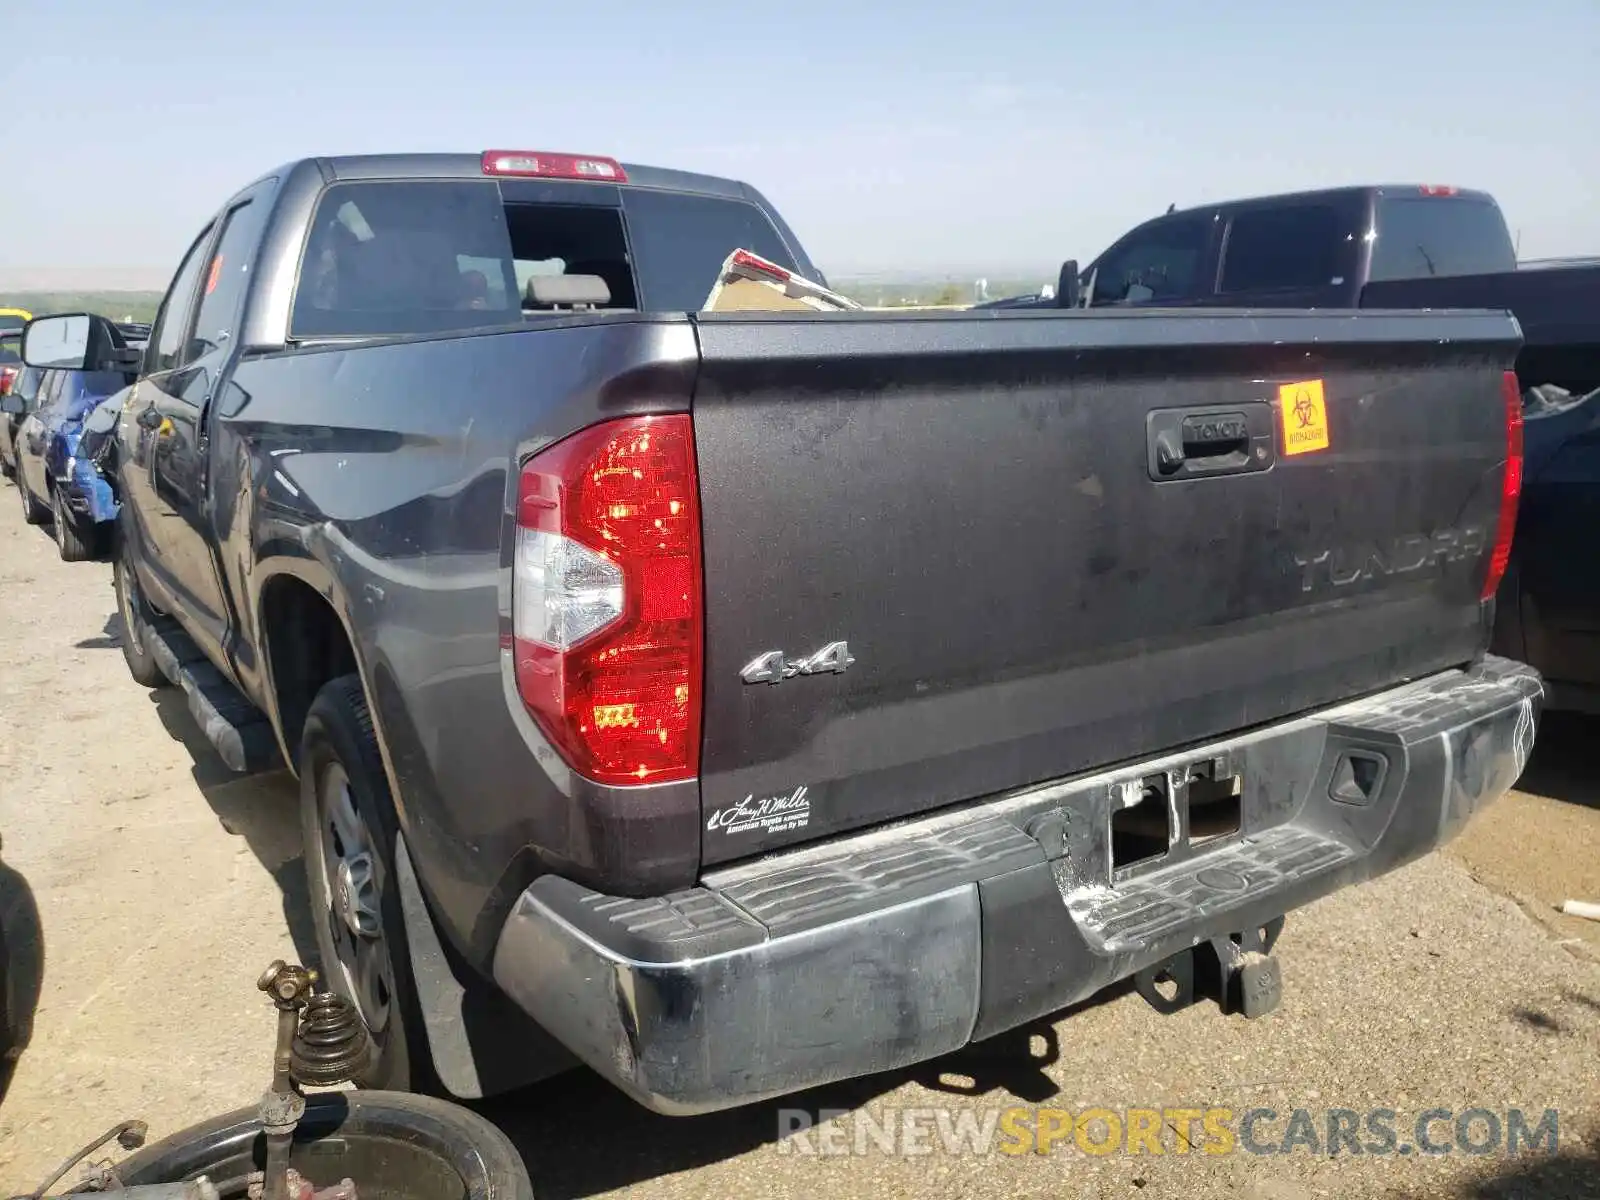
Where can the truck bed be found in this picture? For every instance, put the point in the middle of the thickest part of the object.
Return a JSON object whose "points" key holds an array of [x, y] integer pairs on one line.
{"points": [[1557, 308]]}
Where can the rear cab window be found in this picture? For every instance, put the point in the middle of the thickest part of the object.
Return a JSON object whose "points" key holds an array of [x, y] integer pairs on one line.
{"points": [[1415, 237], [413, 257], [680, 240], [10, 349]]}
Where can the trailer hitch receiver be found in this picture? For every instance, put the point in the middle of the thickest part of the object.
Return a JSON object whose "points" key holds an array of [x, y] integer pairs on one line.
{"points": [[1236, 970]]}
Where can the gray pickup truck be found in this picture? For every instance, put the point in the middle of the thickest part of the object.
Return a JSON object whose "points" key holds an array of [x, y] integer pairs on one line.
{"points": [[737, 702]]}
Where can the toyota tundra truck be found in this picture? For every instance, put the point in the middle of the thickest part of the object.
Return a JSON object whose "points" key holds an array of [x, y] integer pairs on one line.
{"points": [[735, 702]]}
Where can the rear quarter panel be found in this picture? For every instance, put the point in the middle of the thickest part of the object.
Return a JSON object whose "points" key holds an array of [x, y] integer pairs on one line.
{"points": [[381, 477]]}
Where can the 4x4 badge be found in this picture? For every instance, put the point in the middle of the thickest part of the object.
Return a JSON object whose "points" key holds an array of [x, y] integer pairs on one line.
{"points": [[774, 666]]}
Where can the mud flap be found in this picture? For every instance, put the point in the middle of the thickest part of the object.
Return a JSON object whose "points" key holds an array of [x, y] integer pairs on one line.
{"points": [[465, 1018]]}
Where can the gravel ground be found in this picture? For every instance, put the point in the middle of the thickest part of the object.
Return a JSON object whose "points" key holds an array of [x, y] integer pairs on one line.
{"points": [[164, 884]]}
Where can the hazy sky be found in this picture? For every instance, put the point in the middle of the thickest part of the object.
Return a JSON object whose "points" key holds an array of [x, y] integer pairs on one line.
{"points": [[893, 135]]}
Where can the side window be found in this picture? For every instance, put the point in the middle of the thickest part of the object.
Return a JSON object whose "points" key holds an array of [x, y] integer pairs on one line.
{"points": [[1287, 249], [27, 385], [172, 324], [1165, 259], [49, 385], [227, 276]]}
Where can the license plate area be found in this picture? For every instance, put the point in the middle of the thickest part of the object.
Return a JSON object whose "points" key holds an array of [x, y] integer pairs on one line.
{"points": [[1170, 816]]}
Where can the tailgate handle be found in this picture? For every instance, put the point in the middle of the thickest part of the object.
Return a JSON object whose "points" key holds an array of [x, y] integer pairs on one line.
{"points": [[1213, 441]]}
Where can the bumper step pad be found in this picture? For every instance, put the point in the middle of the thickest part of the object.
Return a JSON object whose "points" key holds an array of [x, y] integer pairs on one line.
{"points": [[1134, 914]]}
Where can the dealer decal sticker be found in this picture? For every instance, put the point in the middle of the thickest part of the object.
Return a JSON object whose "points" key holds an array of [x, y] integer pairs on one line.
{"points": [[773, 814]]}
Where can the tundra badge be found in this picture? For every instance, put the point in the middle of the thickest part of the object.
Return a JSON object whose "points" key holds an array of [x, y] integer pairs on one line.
{"points": [[774, 666]]}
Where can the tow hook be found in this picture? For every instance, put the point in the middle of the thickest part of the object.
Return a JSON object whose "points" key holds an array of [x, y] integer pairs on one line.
{"points": [[1236, 970]]}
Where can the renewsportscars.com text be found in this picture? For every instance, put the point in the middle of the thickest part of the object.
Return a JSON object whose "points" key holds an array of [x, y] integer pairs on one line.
{"points": [[1170, 1130]]}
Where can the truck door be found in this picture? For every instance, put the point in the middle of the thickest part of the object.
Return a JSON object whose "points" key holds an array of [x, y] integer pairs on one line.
{"points": [[181, 399], [147, 437]]}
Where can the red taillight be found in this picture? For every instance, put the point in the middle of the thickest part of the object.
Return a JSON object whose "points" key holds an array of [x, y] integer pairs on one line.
{"points": [[8, 375], [540, 165], [1510, 487], [606, 599]]}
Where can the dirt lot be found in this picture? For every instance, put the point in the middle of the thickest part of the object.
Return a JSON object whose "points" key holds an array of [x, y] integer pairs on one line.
{"points": [[164, 884]]}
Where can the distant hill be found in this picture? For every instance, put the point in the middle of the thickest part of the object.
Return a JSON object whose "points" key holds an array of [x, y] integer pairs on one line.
{"points": [[134, 306]]}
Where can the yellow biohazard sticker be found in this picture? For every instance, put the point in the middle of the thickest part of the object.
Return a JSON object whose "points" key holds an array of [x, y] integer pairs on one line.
{"points": [[1305, 416]]}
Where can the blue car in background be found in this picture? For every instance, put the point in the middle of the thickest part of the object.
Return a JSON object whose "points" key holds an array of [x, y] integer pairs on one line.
{"points": [[55, 482]]}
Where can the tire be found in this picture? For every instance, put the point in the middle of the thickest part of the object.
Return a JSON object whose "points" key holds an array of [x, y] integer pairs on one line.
{"points": [[33, 512], [70, 539], [136, 615], [407, 1147], [348, 831]]}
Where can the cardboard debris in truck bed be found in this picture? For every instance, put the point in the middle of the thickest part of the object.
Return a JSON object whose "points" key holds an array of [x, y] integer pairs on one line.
{"points": [[749, 283]]}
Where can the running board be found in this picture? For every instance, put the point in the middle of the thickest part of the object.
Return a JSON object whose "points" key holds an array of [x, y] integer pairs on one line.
{"points": [[240, 732]]}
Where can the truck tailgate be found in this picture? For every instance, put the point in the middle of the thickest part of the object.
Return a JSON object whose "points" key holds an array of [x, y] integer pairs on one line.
{"points": [[1051, 542]]}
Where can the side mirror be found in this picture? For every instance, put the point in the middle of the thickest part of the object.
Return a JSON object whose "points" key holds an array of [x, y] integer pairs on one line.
{"points": [[60, 341], [76, 342], [1067, 285], [13, 404]]}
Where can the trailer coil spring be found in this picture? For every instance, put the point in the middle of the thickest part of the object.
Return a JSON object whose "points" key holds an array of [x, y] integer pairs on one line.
{"points": [[331, 1045]]}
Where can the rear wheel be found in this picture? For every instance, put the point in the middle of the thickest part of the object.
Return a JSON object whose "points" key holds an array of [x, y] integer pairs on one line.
{"points": [[33, 512], [71, 541], [136, 616], [348, 829]]}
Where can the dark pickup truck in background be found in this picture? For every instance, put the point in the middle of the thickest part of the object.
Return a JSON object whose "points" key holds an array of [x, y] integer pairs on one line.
{"points": [[1393, 247], [1419, 247], [743, 701]]}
